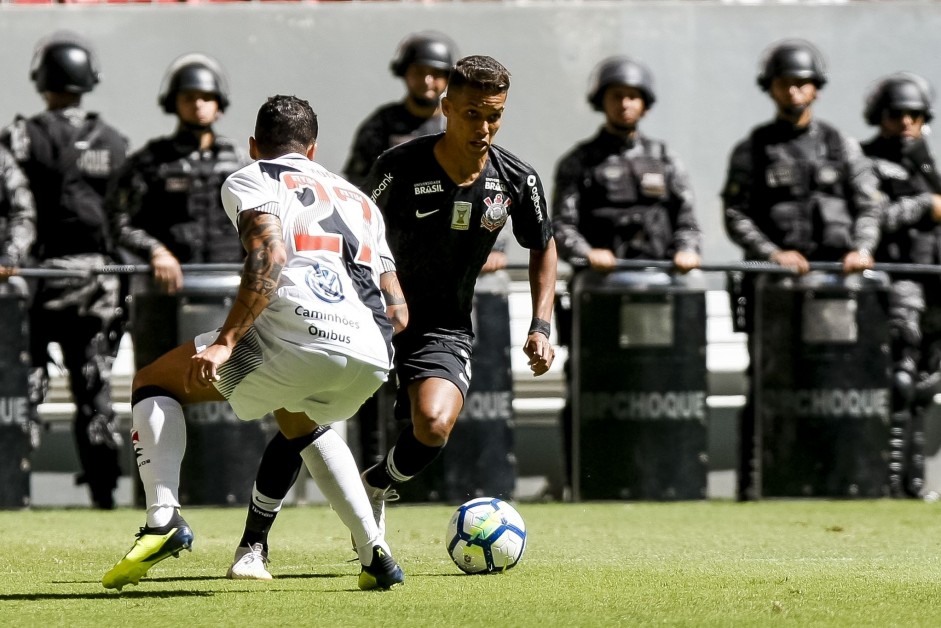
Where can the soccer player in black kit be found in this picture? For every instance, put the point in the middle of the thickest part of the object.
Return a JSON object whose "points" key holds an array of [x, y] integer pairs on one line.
{"points": [[445, 198]]}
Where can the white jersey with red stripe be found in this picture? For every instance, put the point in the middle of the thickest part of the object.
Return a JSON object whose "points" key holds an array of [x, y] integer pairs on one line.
{"points": [[328, 296]]}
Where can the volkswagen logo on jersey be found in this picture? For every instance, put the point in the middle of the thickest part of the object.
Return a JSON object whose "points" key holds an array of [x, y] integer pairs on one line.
{"points": [[325, 283], [496, 214]]}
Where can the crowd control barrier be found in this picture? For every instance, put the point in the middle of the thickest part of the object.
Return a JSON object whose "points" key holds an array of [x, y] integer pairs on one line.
{"points": [[822, 385], [638, 387], [15, 442], [479, 459], [222, 451]]}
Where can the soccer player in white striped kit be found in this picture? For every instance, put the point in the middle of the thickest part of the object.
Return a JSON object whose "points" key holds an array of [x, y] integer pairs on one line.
{"points": [[308, 338]]}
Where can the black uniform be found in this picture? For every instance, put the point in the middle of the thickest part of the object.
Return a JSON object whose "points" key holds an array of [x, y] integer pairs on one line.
{"points": [[441, 235], [807, 189], [388, 126], [630, 196], [908, 177], [68, 156], [167, 195]]}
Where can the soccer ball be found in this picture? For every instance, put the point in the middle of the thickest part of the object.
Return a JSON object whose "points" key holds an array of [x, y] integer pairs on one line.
{"points": [[486, 535]]}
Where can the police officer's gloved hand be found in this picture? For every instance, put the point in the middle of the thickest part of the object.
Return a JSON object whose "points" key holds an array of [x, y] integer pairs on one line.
{"points": [[167, 272]]}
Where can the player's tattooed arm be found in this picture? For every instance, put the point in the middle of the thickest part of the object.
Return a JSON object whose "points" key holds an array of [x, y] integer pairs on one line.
{"points": [[396, 308], [262, 239]]}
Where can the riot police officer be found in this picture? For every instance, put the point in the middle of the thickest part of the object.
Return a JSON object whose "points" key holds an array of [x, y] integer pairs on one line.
{"points": [[166, 200], [423, 61], [622, 194], [900, 105], [68, 154], [797, 191]]}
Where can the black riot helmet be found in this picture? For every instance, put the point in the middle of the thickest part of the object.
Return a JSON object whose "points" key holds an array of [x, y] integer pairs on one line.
{"points": [[794, 58], [64, 62], [427, 48], [197, 72], [903, 91], [620, 71]]}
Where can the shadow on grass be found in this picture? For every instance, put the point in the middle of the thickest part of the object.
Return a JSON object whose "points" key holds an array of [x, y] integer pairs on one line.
{"points": [[104, 595]]}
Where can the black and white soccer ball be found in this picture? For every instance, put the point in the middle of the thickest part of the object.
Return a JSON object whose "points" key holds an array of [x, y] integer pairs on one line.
{"points": [[486, 535]]}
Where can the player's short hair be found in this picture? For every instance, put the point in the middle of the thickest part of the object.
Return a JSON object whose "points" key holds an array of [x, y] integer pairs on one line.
{"points": [[481, 73], [285, 124]]}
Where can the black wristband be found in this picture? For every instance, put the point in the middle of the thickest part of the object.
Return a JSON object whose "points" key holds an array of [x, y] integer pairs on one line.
{"points": [[540, 326]]}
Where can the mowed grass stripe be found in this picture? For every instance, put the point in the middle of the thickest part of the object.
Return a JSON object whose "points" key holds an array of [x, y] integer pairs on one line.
{"points": [[717, 563]]}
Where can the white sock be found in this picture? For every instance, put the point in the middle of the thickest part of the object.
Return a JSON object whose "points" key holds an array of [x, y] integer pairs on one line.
{"points": [[265, 503], [333, 468], [158, 434]]}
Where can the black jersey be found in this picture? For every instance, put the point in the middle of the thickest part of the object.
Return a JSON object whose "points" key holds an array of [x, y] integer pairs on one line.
{"points": [[68, 155], [441, 234]]}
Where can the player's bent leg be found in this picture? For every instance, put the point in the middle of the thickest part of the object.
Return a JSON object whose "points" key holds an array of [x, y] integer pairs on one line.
{"points": [[277, 472], [158, 436], [333, 468], [435, 404]]}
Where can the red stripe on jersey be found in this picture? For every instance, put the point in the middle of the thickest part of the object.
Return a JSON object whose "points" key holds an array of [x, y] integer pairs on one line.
{"points": [[346, 195], [304, 242], [365, 255]]}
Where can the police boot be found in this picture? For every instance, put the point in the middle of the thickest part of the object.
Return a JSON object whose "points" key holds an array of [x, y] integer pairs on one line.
{"points": [[898, 428], [914, 479]]}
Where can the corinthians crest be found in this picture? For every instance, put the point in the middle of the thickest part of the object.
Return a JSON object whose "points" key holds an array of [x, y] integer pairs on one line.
{"points": [[496, 214]]}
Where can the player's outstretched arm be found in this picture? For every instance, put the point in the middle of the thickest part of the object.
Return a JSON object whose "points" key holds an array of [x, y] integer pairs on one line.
{"points": [[542, 276], [262, 239]]}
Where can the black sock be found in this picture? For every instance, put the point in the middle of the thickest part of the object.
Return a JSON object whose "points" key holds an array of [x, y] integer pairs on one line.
{"points": [[406, 459], [276, 474]]}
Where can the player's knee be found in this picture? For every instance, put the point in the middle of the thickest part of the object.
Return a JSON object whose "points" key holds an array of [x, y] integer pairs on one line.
{"points": [[432, 430]]}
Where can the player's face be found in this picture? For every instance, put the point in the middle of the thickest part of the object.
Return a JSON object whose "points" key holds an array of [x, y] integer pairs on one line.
{"points": [[425, 83], [905, 123], [474, 118], [623, 106], [196, 107]]}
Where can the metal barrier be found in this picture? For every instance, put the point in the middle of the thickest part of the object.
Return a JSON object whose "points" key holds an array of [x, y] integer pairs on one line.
{"points": [[203, 312], [15, 429], [822, 385], [638, 387]]}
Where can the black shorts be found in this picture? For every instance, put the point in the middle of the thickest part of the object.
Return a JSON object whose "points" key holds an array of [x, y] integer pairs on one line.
{"points": [[420, 356]]}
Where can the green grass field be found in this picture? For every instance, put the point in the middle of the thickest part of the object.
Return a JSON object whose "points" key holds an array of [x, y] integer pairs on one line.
{"points": [[797, 563]]}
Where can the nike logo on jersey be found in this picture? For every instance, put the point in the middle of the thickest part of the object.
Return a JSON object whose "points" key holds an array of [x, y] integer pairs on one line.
{"points": [[421, 214]]}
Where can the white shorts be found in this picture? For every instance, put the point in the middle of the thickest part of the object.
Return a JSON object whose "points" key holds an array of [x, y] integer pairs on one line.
{"points": [[327, 387]]}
